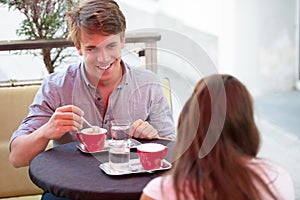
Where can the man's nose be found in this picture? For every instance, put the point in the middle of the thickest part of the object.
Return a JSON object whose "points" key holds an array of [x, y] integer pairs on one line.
{"points": [[103, 56]]}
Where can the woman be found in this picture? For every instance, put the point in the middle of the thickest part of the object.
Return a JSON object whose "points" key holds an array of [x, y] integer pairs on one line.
{"points": [[220, 161]]}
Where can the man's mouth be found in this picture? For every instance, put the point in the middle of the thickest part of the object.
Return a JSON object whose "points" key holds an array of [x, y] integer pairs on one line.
{"points": [[105, 67]]}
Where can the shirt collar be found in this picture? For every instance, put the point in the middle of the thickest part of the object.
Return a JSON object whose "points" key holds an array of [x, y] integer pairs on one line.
{"points": [[125, 76]]}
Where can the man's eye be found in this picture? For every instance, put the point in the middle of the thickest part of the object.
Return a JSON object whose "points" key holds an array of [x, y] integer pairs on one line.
{"points": [[112, 46], [90, 49]]}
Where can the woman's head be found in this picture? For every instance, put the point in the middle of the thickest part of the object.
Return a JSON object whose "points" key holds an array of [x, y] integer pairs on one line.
{"points": [[216, 135], [231, 115], [96, 17]]}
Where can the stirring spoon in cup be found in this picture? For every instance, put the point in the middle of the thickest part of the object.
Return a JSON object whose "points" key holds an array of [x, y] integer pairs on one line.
{"points": [[95, 128], [88, 123]]}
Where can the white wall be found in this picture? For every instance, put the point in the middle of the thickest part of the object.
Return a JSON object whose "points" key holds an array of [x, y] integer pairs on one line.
{"points": [[264, 51]]}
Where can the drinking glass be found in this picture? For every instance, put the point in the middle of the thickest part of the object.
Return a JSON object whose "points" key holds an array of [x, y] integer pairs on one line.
{"points": [[119, 151]]}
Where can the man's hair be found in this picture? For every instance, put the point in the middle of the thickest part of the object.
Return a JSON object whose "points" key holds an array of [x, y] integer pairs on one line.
{"points": [[96, 16]]}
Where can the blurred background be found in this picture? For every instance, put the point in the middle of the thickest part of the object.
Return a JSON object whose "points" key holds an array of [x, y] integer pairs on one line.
{"points": [[254, 40]]}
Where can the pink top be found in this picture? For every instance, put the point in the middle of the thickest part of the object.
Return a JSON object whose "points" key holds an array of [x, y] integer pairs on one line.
{"points": [[277, 178]]}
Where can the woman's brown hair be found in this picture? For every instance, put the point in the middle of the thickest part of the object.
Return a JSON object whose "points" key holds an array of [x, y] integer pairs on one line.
{"points": [[96, 16], [223, 172]]}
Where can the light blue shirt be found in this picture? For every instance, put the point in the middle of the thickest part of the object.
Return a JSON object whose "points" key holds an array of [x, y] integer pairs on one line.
{"points": [[139, 95]]}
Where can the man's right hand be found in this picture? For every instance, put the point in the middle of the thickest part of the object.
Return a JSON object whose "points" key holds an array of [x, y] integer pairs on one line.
{"points": [[25, 147], [64, 119]]}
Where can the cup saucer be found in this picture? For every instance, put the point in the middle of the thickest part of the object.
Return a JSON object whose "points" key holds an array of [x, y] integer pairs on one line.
{"points": [[132, 144], [82, 148]]}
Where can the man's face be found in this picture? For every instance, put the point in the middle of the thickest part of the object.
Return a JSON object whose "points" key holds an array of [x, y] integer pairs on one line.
{"points": [[102, 55]]}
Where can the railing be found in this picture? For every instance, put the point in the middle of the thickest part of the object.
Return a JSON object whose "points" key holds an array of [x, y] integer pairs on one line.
{"points": [[149, 39]]}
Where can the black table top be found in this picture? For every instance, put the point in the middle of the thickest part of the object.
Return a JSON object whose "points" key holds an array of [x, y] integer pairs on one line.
{"points": [[67, 172]]}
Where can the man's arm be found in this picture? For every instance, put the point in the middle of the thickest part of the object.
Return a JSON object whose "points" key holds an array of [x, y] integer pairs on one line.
{"points": [[25, 147], [160, 121]]}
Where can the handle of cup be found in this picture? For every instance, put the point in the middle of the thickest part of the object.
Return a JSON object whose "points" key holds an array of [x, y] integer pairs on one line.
{"points": [[79, 137], [165, 151]]}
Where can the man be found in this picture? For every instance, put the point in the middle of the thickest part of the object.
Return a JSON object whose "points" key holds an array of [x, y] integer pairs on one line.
{"points": [[101, 88]]}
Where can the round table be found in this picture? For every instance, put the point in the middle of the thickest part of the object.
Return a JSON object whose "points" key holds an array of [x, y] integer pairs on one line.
{"points": [[67, 172]]}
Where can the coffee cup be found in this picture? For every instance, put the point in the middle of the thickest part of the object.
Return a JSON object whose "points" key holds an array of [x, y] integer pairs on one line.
{"points": [[92, 139], [151, 155]]}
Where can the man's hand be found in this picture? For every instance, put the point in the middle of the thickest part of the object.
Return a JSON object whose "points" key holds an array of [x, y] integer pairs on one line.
{"points": [[142, 129], [64, 119]]}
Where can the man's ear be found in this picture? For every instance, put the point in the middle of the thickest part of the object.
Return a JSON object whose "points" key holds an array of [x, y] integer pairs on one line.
{"points": [[79, 50]]}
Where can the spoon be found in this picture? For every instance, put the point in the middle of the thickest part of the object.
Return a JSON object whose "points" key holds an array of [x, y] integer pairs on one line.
{"points": [[95, 128], [88, 123], [164, 138]]}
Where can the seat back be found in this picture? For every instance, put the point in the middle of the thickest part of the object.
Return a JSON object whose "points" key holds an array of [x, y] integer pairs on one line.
{"points": [[14, 103]]}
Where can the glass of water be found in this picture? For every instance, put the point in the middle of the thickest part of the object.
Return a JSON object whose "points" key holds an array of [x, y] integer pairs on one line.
{"points": [[119, 155], [120, 129], [119, 151]]}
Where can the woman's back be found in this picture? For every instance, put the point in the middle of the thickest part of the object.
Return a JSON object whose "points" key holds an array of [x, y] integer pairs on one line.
{"points": [[216, 149], [277, 179]]}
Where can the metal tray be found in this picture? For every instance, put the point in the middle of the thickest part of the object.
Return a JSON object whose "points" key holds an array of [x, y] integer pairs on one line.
{"points": [[82, 148], [133, 144], [135, 167]]}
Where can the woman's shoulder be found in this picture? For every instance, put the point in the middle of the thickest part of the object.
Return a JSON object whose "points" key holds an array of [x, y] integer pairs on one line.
{"points": [[165, 180], [160, 188], [274, 175], [268, 167]]}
